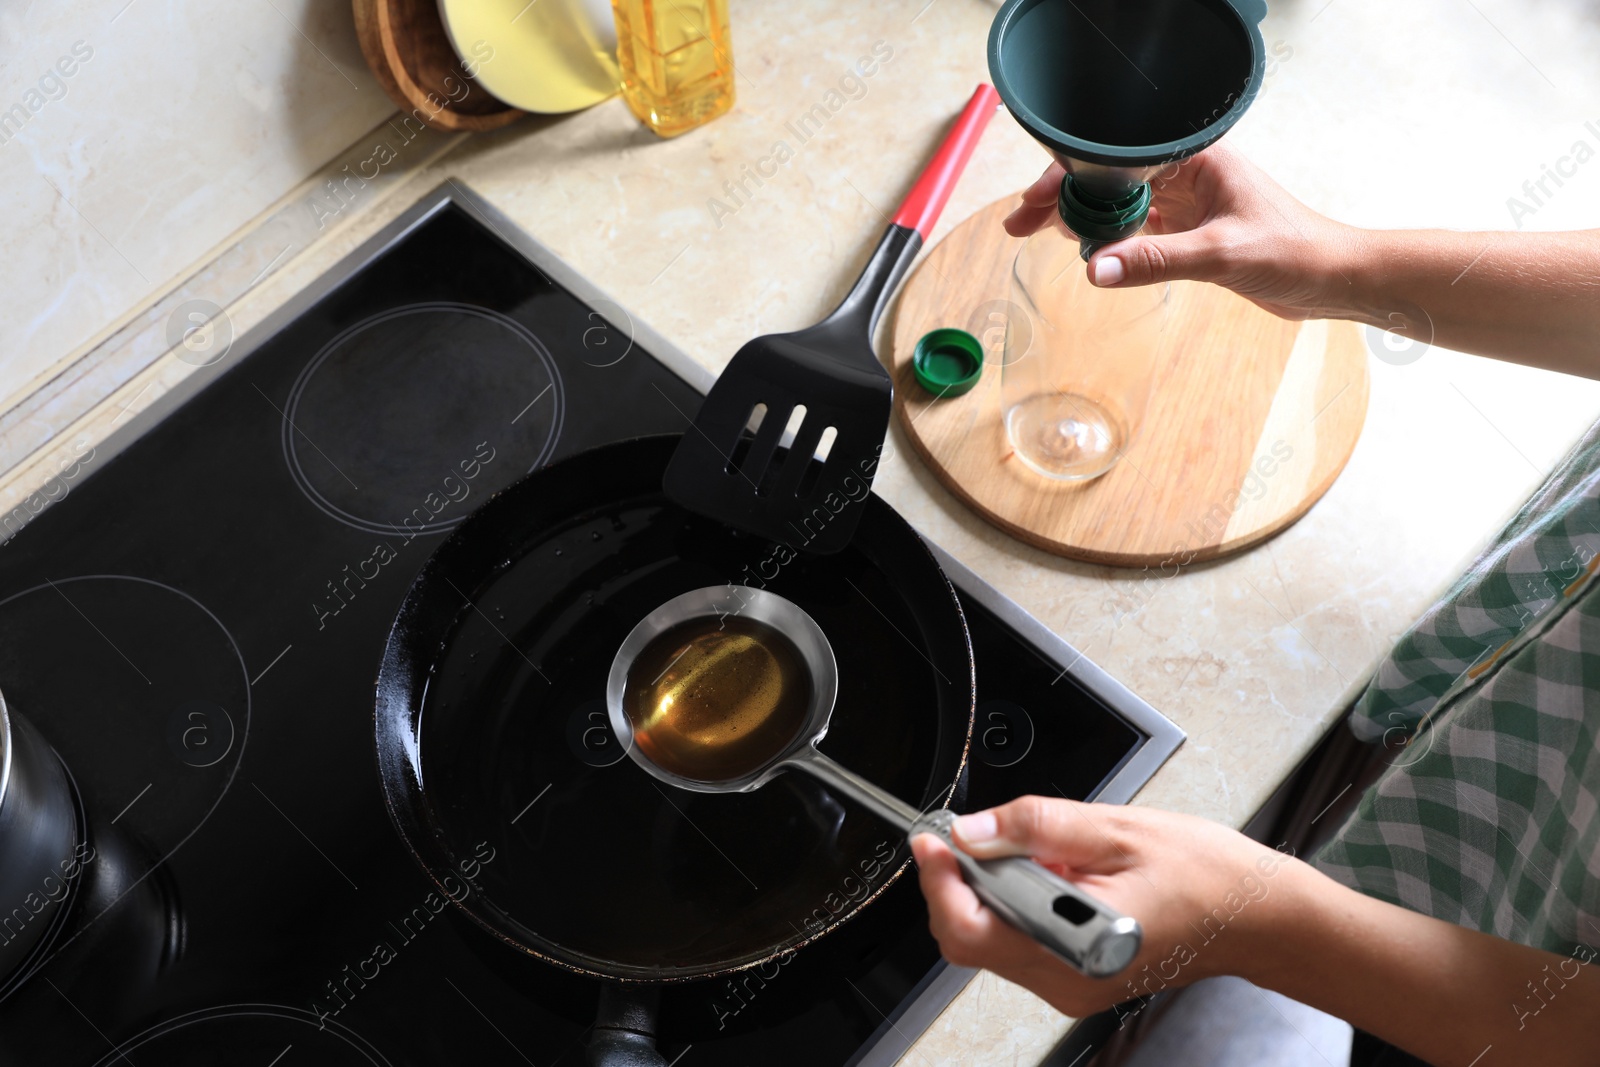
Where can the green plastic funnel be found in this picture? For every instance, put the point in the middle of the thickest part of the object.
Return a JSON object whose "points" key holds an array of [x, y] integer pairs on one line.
{"points": [[1116, 90]]}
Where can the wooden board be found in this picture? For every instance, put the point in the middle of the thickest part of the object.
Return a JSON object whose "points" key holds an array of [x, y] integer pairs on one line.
{"points": [[1251, 419], [404, 43]]}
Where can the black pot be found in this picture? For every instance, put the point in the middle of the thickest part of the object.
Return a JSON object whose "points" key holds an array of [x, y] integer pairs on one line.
{"points": [[39, 835]]}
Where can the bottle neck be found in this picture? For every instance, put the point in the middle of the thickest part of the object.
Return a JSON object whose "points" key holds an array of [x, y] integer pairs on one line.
{"points": [[1099, 221]]}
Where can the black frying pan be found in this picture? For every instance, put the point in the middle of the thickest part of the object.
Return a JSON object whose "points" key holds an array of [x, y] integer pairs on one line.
{"points": [[491, 733]]}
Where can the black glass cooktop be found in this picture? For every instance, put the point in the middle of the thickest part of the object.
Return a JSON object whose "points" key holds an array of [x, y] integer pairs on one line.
{"points": [[195, 626]]}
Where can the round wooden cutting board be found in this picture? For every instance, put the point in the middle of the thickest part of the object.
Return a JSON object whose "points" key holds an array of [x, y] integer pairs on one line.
{"points": [[1251, 419]]}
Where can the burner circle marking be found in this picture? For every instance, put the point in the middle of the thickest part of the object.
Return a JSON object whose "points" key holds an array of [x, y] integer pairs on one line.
{"points": [[294, 435], [283, 1012]]}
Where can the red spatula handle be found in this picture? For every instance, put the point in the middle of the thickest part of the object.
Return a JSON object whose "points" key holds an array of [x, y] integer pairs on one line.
{"points": [[859, 311], [927, 198]]}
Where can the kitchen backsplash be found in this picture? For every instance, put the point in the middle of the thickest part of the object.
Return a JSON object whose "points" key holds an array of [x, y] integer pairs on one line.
{"points": [[138, 136]]}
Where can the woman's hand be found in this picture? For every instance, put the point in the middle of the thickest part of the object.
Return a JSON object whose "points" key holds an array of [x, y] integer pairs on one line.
{"points": [[1199, 889], [1214, 902], [1526, 297], [1217, 218]]}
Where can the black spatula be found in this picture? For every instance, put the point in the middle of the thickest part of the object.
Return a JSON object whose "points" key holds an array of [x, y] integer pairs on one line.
{"points": [[827, 375]]}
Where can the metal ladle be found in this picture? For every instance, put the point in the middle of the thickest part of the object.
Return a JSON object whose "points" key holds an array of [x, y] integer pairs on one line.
{"points": [[1085, 933]]}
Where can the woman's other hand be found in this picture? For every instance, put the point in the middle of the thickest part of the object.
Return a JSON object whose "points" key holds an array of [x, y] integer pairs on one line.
{"points": [[1217, 218]]}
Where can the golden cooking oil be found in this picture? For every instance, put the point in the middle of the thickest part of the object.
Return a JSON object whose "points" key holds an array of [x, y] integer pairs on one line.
{"points": [[676, 58], [714, 699]]}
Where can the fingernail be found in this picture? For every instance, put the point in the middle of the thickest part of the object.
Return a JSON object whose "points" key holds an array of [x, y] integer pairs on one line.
{"points": [[977, 828], [1109, 271]]}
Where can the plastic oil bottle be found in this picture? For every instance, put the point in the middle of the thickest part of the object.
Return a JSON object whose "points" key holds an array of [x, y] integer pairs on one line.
{"points": [[676, 58]]}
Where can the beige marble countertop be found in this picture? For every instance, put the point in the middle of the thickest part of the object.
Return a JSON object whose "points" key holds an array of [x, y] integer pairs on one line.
{"points": [[1254, 656]]}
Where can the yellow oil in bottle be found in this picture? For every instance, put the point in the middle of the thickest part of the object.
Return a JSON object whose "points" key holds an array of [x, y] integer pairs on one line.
{"points": [[676, 58], [715, 699]]}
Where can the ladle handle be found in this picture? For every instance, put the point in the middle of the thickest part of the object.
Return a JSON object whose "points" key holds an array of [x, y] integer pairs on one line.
{"points": [[1086, 934], [882, 803]]}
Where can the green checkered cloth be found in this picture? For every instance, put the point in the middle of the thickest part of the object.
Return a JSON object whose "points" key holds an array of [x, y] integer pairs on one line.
{"points": [[1489, 814]]}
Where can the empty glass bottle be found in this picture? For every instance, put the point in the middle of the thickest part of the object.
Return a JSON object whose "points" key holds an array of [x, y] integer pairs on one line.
{"points": [[1079, 361]]}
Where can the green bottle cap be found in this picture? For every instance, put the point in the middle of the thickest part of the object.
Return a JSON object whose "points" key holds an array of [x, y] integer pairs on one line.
{"points": [[947, 362], [1098, 221]]}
